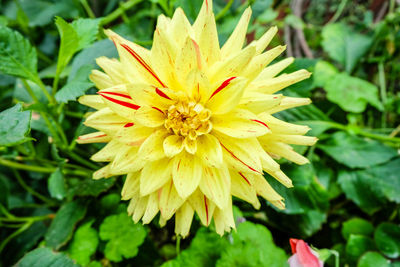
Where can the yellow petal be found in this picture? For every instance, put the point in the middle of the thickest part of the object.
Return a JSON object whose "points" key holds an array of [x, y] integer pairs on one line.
{"points": [[113, 68], [133, 135], [126, 159], [243, 187], [131, 186], [263, 42], [150, 116], [106, 120], [180, 27], [93, 101], [227, 95], [270, 86], [203, 206], [281, 127], [240, 123], [223, 219], [209, 150], [119, 102], [236, 40], [139, 209], [151, 209], [148, 95], [168, 200], [152, 147], [186, 173], [289, 102], [108, 152], [173, 145], [273, 70], [188, 59], [190, 145], [216, 185], [104, 172], [198, 85], [257, 102], [154, 175], [265, 190], [292, 139], [101, 80], [97, 137], [183, 219], [285, 151]]}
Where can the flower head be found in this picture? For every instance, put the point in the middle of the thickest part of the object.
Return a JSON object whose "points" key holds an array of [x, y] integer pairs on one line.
{"points": [[191, 123], [303, 255]]}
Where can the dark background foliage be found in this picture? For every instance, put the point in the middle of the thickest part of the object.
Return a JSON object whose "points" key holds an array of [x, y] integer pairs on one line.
{"points": [[346, 202]]}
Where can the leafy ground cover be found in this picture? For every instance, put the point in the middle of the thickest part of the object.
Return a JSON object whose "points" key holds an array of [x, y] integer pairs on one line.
{"points": [[346, 201]]}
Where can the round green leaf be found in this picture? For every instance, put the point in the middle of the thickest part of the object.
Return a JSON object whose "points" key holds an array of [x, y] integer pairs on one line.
{"points": [[357, 226], [358, 245], [387, 239], [373, 259], [84, 244]]}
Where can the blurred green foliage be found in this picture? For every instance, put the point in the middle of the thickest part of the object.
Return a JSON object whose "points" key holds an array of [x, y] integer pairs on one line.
{"points": [[347, 200]]}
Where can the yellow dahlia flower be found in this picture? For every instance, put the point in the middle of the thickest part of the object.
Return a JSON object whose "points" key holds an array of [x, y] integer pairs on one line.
{"points": [[191, 123]]}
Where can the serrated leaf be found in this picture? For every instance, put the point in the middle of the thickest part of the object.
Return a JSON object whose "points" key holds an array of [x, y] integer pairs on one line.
{"points": [[84, 244], [344, 45], [69, 43], [14, 126], [87, 30], [77, 87], [61, 228], [123, 237], [359, 152], [45, 257], [56, 185], [352, 94], [90, 187], [17, 56]]}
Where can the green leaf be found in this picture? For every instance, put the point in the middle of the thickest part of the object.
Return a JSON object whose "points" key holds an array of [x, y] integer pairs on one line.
{"points": [[356, 152], [69, 43], [77, 87], [387, 239], [84, 244], [323, 73], [358, 245], [14, 126], [87, 30], [373, 259], [252, 246], [352, 94], [357, 226], [56, 185], [45, 257], [17, 56], [123, 235], [370, 188], [90, 187], [61, 228], [344, 45], [204, 251]]}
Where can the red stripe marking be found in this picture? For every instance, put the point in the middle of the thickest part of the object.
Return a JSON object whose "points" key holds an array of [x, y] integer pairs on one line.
{"points": [[263, 123], [234, 156], [129, 124], [222, 86], [87, 138], [198, 57], [205, 205], [158, 109], [117, 94], [244, 177], [162, 94], [142, 62], [120, 102]]}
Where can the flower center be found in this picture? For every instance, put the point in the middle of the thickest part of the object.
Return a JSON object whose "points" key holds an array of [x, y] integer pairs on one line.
{"points": [[188, 119]]}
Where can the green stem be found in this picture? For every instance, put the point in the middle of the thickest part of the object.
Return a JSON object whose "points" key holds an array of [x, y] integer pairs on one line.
{"points": [[33, 168], [178, 245], [119, 11], [42, 86], [31, 190], [338, 12], [81, 160], [5, 212], [224, 10], [87, 8], [382, 87], [17, 232]]}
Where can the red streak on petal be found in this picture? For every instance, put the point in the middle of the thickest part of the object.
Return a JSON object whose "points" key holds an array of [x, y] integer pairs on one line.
{"points": [[129, 124], [234, 156], [120, 102], [162, 94], [116, 94], [158, 109], [198, 57], [244, 177], [92, 137], [142, 62], [263, 123], [206, 207], [222, 86]]}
